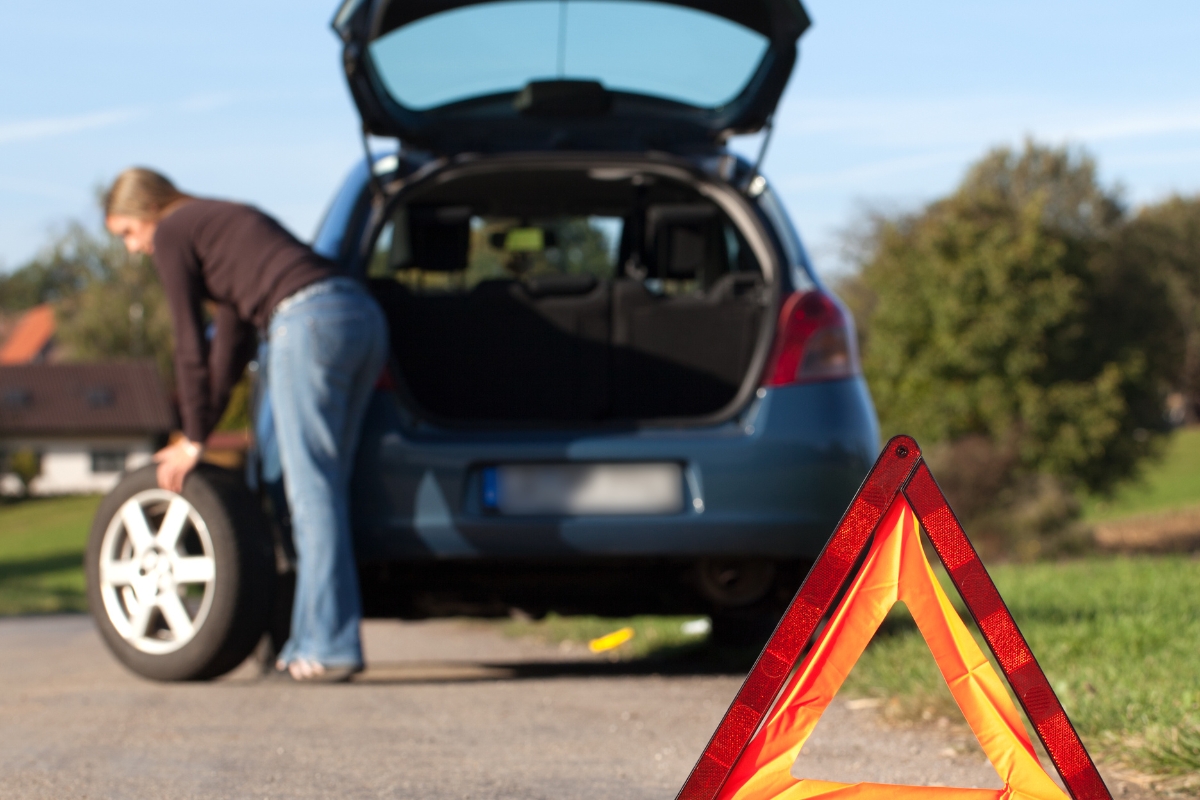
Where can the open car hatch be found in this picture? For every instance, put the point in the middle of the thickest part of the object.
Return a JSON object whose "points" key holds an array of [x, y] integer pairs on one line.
{"points": [[456, 76]]}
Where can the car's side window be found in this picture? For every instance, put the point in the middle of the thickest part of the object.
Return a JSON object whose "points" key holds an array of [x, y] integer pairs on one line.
{"points": [[799, 266], [332, 233]]}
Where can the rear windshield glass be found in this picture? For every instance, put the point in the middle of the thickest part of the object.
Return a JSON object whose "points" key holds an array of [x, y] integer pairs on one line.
{"points": [[645, 48]]}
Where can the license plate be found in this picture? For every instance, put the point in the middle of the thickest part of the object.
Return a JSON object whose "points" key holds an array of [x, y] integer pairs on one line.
{"points": [[576, 489]]}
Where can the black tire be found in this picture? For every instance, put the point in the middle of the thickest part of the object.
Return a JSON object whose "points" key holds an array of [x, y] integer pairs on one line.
{"points": [[232, 607]]}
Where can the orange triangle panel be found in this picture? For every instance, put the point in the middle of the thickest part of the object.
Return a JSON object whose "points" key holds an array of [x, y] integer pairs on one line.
{"points": [[751, 754]]}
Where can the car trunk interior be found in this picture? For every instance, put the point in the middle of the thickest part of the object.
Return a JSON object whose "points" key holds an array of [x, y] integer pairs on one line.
{"points": [[567, 298]]}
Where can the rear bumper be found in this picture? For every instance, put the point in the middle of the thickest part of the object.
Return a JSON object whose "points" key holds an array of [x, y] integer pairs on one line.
{"points": [[773, 482]]}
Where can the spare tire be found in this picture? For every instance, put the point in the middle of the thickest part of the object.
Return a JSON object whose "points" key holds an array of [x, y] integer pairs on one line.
{"points": [[180, 585]]}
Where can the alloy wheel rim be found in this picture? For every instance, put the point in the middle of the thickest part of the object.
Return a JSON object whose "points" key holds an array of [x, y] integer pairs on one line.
{"points": [[157, 571]]}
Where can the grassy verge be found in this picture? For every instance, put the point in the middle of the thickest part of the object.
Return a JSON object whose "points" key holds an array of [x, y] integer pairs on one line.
{"points": [[1169, 484], [41, 554]]}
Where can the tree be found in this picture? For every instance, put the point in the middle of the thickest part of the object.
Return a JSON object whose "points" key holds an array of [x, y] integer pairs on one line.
{"points": [[108, 303], [1010, 315], [60, 270], [1165, 238], [120, 312]]}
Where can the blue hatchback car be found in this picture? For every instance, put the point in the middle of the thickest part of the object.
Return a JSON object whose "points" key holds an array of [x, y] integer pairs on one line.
{"points": [[616, 384]]}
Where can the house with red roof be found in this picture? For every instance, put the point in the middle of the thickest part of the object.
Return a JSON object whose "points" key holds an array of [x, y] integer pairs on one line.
{"points": [[32, 337], [86, 423]]}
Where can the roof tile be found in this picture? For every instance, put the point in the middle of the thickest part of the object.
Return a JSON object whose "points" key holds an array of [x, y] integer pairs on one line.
{"points": [[28, 340], [96, 398]]}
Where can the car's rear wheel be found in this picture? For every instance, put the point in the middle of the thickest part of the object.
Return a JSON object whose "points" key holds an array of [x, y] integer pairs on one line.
{"points": [[749, 596], [180, 585]]}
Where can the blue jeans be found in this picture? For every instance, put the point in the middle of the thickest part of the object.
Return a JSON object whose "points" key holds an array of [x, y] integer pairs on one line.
{"points": [[327, 346]]}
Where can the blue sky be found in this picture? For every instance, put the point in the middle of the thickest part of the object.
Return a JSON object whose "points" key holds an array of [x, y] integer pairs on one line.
{"points": [[889, 104]]}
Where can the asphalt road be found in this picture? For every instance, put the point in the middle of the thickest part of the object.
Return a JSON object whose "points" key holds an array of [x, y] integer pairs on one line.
{"points": [[445, 710]]}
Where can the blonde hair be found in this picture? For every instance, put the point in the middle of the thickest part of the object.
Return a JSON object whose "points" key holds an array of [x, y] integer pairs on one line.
{"points": [[140, 193]]}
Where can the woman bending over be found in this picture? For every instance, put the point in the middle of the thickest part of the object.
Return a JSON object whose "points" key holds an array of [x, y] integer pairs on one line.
{"points": [[327, 345]]}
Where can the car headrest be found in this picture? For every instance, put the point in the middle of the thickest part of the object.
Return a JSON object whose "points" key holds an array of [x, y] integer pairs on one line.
{"points": [[439, 237], [685, 240]]}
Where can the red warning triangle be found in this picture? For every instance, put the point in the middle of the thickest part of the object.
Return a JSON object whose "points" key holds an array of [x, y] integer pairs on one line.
{"points": [[750, 755]]}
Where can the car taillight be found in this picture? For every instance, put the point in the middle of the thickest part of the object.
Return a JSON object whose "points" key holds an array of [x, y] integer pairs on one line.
{"points": [[814, 342]]}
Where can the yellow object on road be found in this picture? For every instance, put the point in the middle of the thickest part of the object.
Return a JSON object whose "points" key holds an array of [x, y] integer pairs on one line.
{"points": [[610, 641]]}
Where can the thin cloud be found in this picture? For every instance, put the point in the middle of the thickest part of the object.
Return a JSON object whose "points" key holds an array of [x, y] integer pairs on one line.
{"points": [[1131, 126], [47, 127], [863, 174], [955, 121], [891, 122], [210, 101]]}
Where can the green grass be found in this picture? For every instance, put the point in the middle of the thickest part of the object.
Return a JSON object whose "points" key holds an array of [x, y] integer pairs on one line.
{"points": [[1117, 637], [41, 554], [1166, 485]]}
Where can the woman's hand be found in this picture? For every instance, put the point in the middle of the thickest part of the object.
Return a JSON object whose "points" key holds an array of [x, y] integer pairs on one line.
{"points": [[175, 461]]}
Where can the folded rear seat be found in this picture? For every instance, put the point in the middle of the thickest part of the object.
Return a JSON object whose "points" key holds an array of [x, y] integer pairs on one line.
{"points": [[507, 350], [541, 349], [684, 355]]}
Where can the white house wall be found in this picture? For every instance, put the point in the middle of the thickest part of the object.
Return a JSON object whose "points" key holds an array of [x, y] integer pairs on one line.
{"points": [[67, 464]]}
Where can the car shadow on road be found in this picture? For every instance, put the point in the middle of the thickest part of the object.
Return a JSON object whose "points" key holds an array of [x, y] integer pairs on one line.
{"points": [[691, 660]]}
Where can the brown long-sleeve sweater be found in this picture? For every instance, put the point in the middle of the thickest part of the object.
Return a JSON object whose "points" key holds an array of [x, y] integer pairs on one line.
{"points": [[245, 262]]}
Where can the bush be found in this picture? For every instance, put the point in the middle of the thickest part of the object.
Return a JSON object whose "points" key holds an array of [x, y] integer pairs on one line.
{"points": [[1007, 325], [26, 464]]}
